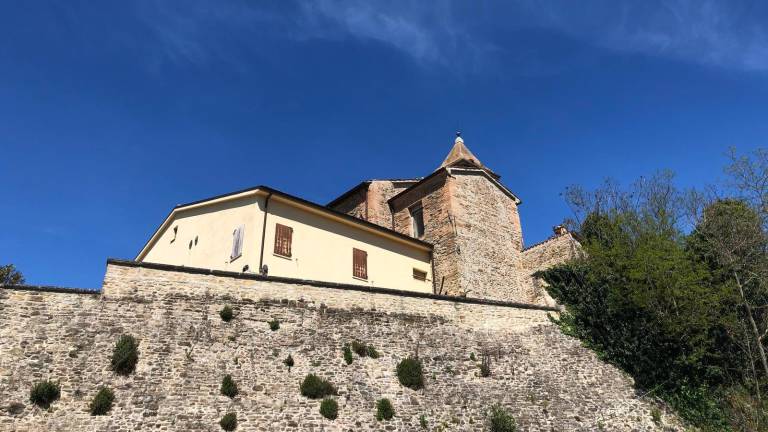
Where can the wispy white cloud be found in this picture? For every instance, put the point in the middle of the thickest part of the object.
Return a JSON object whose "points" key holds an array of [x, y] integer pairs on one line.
{"points": [[718, 33], [727, 34]]}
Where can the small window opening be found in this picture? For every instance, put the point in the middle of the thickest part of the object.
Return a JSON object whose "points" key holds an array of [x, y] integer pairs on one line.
{"points": [[417, 220], [419, 275], [237, 243]]}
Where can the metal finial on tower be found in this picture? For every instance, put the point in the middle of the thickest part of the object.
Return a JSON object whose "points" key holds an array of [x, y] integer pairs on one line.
{"points": [[458, 137]]}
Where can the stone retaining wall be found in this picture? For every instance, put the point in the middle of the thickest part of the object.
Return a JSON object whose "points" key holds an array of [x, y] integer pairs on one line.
{"points": [[546, 380]]}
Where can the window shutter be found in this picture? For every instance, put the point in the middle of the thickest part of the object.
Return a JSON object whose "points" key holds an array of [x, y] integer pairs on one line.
{"points": [[237, 242], [360, 263], [419, 275], [283, 240]]}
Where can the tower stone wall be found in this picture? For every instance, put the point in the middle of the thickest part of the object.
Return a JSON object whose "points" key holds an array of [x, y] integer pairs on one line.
{"points": [[489, 240], [435, 196], [473, 222]]}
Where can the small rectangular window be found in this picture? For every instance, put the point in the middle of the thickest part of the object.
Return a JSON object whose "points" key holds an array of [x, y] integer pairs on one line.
{"points": [[419, 275], [359, 263], [283, 239], [237, 243], [417, 219]]}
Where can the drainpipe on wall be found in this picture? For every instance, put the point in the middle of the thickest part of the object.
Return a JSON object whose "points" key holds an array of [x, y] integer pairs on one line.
{"points": [[264, 231], [434, 277]]}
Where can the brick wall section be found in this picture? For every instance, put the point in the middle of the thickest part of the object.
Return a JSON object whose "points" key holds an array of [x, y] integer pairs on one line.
{"points": [[371, 202], [435, 198], [547, 380], [555, 250], [354, 205]]}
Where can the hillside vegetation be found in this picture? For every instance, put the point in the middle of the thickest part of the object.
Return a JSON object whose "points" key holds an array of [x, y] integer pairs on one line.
{"points": [[673, 288]]}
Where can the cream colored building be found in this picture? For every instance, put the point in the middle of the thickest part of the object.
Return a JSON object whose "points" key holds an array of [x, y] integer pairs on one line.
{"points": [[268, 231], [456, 231]]}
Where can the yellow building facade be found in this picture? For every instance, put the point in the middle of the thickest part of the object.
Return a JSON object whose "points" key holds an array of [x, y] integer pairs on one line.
{"points": [[262, 230]]}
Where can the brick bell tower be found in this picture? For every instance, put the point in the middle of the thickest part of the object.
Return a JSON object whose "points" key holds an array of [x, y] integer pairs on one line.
{"points": [[472, 219]]}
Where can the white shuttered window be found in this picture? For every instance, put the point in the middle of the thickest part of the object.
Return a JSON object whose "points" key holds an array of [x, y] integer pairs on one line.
{"points": [[237, 242]]}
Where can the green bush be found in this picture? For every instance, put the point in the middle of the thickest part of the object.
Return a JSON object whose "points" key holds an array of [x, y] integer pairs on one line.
{"points": [[371, 352], [126, 355], [485, 366], [274, 325], [315, 387], [472, 356], [423, 422], [364, 350], [347, 354], [656, 415], [228, 422], [288, 362], [226, 313], [228, 387], [384, 410], [500, 420], [102, 402], [44, 393], [329, 409], [359, 348], [409, 373]]}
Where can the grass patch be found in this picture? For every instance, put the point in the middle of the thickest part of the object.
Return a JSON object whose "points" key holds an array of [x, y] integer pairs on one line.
{"points": [[102, 402], [125, 355], [44, 393], [409, 373], [329, 409], [315, 387], [384, 410]]}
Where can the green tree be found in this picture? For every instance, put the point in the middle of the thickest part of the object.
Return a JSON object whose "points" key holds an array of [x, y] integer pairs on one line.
{"points": [[10, 276], [639, 299]]}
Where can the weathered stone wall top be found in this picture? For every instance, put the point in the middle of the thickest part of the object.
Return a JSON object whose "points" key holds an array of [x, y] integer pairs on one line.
{"points": [[555, 250], [151, 282]]}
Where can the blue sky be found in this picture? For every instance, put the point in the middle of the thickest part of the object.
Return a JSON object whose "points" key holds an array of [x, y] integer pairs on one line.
{"points": [[113, 112]]}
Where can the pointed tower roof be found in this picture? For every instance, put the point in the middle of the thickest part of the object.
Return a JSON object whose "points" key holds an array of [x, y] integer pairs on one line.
{"points": [[460, 153]]}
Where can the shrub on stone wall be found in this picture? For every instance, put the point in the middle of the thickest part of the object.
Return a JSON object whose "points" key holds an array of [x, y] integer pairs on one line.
{"points": [[499, 420], [44, 393], [228, 422], [423, 422], [125, 355], [288, 362], [384, 410], [656, 415], [274, 325], [228, 387], [329, 408], [315, 387], [102, 402], [347, 354], [409, 373], [359, 348], [485, 366], [371, 352], [364, 350], [226, 313]]}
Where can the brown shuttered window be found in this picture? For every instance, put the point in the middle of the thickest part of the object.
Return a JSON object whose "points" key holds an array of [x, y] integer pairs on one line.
{"points": [[283, 238], [360, 263], [419, 275]]}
